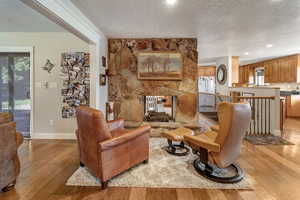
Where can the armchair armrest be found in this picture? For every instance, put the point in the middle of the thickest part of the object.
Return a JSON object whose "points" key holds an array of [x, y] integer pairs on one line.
{"points": [[116, 124], [198, 141], [215, 128], [109, 144]]}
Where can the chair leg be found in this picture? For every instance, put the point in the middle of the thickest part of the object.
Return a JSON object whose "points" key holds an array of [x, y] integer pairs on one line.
{"points": [[177, 149], [204, 168], [146, 161], [104, 184], [81, 164], [9, 187]]}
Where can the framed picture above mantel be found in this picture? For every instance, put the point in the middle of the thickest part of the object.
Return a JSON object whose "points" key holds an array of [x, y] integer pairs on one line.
{"points": [[160, 66]]}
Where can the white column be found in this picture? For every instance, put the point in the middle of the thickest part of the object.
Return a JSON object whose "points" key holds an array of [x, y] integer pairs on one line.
{"points": [[227, 61]]}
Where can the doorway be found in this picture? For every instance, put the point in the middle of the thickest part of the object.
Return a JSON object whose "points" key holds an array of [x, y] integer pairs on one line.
{"points": [[15, 92]]}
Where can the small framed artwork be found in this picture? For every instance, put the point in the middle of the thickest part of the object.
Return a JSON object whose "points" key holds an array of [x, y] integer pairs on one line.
{"points": [[103, 61], [102, 79]]}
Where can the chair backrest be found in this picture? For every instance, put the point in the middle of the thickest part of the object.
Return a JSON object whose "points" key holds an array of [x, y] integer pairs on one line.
{"points": [[8, 149], [92, 124], [92, 129], [234, 121], [5, 117]]}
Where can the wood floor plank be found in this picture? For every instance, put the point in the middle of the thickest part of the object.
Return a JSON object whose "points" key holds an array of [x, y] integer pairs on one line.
{"points": [[161, 194], [216, 195], [183, 194], [248, 195], [200, 194], [232, 194], [117, 193], [138, 194]]}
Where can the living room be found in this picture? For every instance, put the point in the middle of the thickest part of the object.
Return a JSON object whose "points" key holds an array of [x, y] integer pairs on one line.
{"points": [[103, 100]]}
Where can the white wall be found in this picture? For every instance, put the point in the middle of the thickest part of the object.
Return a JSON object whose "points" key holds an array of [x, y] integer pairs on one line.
{"points": [[103, 90], [48, 101], [223, 89]]}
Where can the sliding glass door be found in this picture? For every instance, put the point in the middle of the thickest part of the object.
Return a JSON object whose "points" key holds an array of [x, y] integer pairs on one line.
{"points": [[15, 88]]}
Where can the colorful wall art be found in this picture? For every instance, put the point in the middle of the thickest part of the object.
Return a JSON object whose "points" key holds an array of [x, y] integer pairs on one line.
{"points": [[75, 72]]}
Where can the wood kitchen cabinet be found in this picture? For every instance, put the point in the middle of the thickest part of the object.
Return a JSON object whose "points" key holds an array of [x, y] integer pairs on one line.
{"points": [[282, 70], [246, 74], [207, 71], [279, 70], [272, 71], [293, 106], [243, 74]]}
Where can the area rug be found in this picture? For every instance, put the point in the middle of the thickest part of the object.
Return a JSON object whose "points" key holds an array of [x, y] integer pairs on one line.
{"points": [[267, 140], [162, 171]]}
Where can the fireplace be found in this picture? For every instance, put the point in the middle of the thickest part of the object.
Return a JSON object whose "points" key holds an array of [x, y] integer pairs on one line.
{"points": [[159, 108]]}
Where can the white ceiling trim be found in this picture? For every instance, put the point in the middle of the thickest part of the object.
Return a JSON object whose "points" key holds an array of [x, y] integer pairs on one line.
{"points": [[69, 16]]}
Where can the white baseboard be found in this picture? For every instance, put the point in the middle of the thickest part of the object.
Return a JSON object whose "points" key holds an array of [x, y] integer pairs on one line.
{"points": [[54, 136]]}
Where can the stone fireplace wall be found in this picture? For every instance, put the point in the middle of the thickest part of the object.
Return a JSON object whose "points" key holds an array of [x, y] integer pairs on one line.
{"points": [[127, 92]]}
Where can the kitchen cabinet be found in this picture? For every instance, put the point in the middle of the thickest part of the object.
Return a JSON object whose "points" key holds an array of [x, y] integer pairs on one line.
{"points": [[278, 70], [246, 74], [293, 106], [282, 70], [207, 71], [272, 71], [243, 74]]}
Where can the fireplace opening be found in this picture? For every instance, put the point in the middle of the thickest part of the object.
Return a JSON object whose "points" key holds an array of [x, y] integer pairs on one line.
{"points": [[159, 108]]}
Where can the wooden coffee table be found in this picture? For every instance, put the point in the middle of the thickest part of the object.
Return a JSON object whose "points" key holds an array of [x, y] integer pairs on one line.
{"points": [[177, 136]]}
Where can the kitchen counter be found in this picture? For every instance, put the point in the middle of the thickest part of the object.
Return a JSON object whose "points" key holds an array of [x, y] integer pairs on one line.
{"points": [[285, 93]]}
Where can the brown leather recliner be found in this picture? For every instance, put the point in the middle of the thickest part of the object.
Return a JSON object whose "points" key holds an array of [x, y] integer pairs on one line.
{"points": [[222, 148], [107, 149], [10, 140]]}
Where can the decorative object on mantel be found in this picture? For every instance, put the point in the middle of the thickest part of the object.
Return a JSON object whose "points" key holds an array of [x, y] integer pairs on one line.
{"points": [[102, 79], [107, 72], [162, 171], [48, 66], [109, 111], [222, 74], [104, 61], [75, 73], [267, 140], [160, 66]]}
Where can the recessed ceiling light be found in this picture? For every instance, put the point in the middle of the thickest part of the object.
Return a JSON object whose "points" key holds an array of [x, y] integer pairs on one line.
{"points": [[269, 45], [171, 2], [246, 53]]}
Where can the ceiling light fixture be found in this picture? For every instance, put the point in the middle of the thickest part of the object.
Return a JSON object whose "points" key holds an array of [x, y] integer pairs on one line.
{"points": [[269, 45], [246, 53], [171, 2]]}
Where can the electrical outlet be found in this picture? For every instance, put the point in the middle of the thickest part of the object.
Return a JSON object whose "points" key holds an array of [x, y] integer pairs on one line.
{"points": [[51, 122]]}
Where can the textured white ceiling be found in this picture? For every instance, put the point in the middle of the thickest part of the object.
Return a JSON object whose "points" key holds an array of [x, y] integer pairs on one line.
{"points": [[17, 17], [223, 27]]}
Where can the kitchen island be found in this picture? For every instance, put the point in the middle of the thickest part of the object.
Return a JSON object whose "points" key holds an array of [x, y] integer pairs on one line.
{"points": [[292, 102]]}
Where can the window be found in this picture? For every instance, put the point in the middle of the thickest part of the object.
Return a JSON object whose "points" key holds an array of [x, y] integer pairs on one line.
{"points": [[259, 76]]}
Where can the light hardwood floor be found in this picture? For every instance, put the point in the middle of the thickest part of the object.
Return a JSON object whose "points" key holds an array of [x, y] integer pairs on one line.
{"points": [[46, 165]]}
